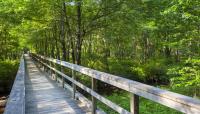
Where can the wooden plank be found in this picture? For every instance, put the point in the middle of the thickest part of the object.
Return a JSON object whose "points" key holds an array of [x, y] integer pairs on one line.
{"points": [[176, 101], [63, 80], [134, 104], [84, 101], [16, 101], [94, 88], [44, 96], [73, 85], [90, 91]]}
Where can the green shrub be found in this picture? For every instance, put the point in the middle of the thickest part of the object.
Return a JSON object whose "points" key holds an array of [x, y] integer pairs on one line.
{"points": [[155, 73], [124, 68], [139, 73], [186, 76], [8, 71]]}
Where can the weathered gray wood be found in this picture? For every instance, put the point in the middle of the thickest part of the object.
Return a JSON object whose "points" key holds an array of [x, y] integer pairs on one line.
{"points": [[94, 88], [84, 101], [44, 96], [134, 104], [90, 91], [50, 69], [16, 101], [176, 101], [73, 85], [63, 80]]}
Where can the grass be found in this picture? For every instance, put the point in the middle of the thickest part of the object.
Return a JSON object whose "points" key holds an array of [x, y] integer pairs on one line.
{"points": [[145, 106]]}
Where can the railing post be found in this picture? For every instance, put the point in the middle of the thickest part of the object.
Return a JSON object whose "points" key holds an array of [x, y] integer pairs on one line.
{"points": [[73, 85], [56, 74], [51, 72], [48, 69], [134, 103], [43, 60], [63, 80], [38, 60], [94, 88]]}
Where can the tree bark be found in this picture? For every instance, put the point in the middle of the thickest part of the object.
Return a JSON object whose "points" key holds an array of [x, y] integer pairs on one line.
{"points": [[79, 34], [63, 11]]}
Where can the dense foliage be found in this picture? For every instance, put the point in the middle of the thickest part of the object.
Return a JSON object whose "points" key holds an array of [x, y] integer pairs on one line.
{"points": [[8, 71], [10, 42], [152, 41]]}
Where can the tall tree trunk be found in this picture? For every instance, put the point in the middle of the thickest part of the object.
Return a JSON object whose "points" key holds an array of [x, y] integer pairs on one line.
{"points": [[79, 34], [63, 11], [70, 42], [167, 49], [145, 45], [45, 45], [56, 42], [52, 47], [167, 52], [177, 58]]}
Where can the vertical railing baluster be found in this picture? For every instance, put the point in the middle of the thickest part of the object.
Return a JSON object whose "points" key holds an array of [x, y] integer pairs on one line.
{"points": [[73, 85], [47, 68], [43, 60], [51, 71], [62, 78], [134, 103], [94, 88], [39, 61], [56, 74]]}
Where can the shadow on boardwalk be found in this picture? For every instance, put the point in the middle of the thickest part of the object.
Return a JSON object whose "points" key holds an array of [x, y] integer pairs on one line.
{"points": [[43, 96]]}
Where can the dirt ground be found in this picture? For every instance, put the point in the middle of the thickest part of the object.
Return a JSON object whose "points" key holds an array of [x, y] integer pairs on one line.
{"points": [[1, 110], [3, 100]]}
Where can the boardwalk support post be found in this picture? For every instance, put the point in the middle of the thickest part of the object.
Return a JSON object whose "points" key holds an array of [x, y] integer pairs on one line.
{"points": [[63, 80], [44, 65], [56, 74], [94, 88], [51, 72], [134, 103], [74, 85]]}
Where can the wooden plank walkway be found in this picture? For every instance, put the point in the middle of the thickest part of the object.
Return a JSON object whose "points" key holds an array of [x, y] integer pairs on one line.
{"points": [[43, 96]]}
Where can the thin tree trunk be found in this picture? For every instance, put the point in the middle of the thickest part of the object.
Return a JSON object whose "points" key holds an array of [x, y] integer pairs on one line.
{"points": [[79, 34], [63, 11]]}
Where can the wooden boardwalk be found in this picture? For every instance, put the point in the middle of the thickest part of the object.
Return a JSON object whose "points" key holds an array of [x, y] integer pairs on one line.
{"points": [[44, 96], [36, 93]]}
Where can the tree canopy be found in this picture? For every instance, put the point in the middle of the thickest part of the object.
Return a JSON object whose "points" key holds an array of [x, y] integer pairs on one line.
{"points": [[142, 40]]}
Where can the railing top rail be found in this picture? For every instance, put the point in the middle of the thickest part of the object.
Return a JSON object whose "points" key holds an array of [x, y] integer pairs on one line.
{"points": [[16, 100], [173, 100]]}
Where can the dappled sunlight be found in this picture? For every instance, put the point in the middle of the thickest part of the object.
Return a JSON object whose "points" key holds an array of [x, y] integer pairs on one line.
{"points": [[173, 100], [43, 88], [45, 96], [148, 48]]}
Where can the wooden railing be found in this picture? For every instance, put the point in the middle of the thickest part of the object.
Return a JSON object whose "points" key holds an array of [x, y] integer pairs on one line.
{"points": [[175, 101], [16, 100]]}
